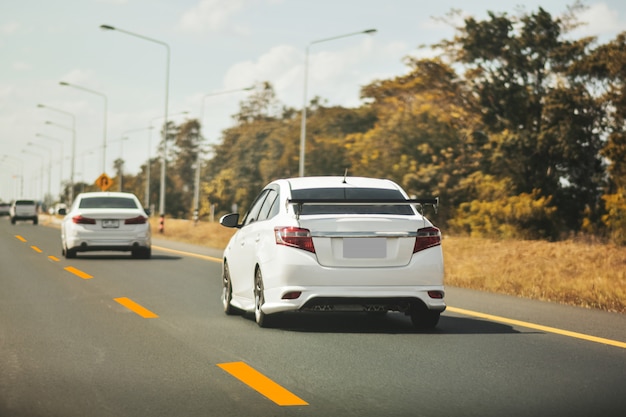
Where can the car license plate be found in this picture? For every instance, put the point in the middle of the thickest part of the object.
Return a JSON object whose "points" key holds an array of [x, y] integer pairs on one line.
{"points": [[110, 224], [364, 247]]}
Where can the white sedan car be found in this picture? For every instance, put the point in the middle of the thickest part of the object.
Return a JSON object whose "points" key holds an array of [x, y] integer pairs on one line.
{"points": [[334, 244], [106, 221]]}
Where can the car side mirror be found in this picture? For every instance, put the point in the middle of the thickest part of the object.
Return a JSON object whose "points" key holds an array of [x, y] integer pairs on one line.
{"points": [[62, 211], [230, 220], [148, 211]]}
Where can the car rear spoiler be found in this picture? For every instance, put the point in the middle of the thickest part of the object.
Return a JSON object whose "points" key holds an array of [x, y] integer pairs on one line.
{"points": [[420, 202]]}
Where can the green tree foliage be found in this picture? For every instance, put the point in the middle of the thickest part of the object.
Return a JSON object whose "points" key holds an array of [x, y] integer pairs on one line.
{"points": [[544, 117], [606, 68]]}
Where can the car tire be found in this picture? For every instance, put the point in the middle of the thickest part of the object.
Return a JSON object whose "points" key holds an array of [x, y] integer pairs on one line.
{"points": [[35, 220], [70, 253], [12, 220], [424, 319], [262, 319], [227, 292], [143, 253]]}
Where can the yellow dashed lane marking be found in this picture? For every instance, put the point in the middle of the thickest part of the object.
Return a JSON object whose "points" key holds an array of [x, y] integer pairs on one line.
{"points": [[78, 272], [136, 308], [36, 249], [20, 238], [539, 327], [262, 384], [53, 258]]}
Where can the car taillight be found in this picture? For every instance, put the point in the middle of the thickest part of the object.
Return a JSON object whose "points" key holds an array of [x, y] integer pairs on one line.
{"points": [[83, 220], [136, 220], [427, 237], [295, 237]]}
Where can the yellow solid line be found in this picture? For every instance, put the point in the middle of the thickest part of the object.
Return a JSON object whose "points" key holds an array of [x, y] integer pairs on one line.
{"points": [[20, 238], [136, 308], [36, 249], [78, 272], [209, 258], [540, 327], [53, 258], [261, 384]]}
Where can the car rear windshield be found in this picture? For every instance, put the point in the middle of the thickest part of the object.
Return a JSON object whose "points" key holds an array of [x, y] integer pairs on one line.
{"points": [[347, 194], [25, 203], [107, 202]]}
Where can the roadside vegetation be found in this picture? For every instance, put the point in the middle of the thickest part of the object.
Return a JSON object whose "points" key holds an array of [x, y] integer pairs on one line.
{"points": [[578, 273]]}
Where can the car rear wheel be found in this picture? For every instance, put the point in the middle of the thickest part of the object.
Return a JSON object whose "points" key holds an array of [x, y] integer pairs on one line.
{"points": [[424, 319], [143, 253], [262, 319], [70, 253], [227, 292]]}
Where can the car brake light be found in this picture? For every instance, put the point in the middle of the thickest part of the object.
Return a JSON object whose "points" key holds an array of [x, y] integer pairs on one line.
{"points": [[427, 237], [136, 220], [83, 220], [295, 237]]}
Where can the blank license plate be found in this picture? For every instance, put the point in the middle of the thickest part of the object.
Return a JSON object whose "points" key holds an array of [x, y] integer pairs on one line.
{"points": [[364, 247], [110, 224]]}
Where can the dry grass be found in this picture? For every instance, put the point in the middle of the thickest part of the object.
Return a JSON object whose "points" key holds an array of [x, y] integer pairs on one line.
{"points": [[569, 272], [208, 234]]}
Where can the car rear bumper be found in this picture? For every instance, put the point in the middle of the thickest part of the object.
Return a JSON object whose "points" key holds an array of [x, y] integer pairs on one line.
{"points": [[376, 298], [93, 243]]}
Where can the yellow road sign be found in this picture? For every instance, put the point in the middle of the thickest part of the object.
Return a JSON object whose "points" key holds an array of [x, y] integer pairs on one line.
{"points": [[104, 182]]}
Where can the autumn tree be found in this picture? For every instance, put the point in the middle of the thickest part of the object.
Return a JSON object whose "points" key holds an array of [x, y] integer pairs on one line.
{"points": [[543, 117], [606, 68]]}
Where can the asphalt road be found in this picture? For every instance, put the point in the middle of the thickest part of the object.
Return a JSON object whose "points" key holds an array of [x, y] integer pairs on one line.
{"points": [[107, 335]]}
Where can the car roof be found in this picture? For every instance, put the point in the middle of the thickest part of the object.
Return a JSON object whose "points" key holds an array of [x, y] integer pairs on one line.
{"points": [[339, 182]]}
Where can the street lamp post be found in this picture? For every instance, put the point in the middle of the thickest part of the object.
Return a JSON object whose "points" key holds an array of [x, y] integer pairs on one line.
{"points": [[49, 150], [148, 171], [73, 129], [104, 134], [121, 166], [167, 89], [147, 186], [304, 103], [39, 135], [43, 160], [196, 185]]}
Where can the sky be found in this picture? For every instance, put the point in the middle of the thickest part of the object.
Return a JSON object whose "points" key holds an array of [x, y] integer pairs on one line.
{"points": [[120, 83]]}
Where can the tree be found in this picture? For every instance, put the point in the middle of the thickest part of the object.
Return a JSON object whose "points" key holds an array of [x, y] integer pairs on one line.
{"points": [[544, 118], [606, 68], [426, 136]]}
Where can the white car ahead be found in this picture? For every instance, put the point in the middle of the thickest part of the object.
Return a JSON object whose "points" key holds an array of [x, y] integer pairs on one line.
{"points": [[106, 221], [334, 244]]}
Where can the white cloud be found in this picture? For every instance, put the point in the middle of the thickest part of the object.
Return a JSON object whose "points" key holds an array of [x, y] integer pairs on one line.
{"points": [[21, 66], [9, 28], [210, 15], [599, 19], [282, 66], [336, 76]]}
